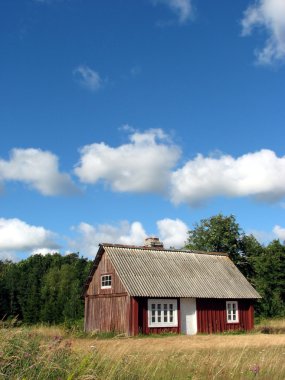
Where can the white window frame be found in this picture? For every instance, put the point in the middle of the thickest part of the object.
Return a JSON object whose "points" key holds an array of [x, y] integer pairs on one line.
{"points": [[232, 306], [162, 302], [106, 278]]}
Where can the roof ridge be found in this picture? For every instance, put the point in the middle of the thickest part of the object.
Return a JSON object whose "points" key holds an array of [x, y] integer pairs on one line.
{"points": [[142, 247]]}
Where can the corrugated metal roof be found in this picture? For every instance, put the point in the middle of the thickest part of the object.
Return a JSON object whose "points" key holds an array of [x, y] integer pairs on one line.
{"points": [[172, 273]]}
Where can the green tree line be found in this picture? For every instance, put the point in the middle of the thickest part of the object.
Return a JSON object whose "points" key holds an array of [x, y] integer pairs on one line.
{"points": [[49, 288], [43, 288]]}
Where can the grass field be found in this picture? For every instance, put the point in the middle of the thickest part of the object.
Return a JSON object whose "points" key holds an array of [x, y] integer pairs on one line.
{"points": [[51, 353]]}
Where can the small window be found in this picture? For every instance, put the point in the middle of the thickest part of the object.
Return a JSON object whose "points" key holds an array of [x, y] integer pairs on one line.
{"points": [[232, 311], [162, 313], [106, 281]]}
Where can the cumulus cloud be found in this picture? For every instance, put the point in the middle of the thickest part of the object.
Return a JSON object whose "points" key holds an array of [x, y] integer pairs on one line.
{"points": [[182, 8], [38, 169], [270, 16], [18, 236], [142, 165], [260, 175], [88, 78], [44, 251], [279, 232], [90, 236], [172, 232]]}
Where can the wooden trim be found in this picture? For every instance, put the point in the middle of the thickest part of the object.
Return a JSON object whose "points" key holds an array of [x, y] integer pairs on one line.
{"points": [[179, 315], [107, 295], [134, 316]]}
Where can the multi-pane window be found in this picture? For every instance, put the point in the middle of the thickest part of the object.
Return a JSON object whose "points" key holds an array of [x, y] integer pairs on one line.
{"points": [[162, 312], [106, 281], [232, 311]]}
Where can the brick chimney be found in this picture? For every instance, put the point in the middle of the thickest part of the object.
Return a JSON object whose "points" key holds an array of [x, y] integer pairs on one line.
{"points": [[153, 242]]}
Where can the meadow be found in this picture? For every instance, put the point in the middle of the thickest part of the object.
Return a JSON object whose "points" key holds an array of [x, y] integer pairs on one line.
{"points": [[41, 352]]}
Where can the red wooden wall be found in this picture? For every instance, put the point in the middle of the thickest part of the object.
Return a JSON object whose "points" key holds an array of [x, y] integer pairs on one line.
{"points": [[211, 316], [106, 309]]}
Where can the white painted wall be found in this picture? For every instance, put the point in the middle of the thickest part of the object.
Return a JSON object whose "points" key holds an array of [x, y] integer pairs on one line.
{"points": [[188, 316]]}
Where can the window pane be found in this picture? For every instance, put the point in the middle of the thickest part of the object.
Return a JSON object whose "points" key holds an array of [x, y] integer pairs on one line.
{"points": [[106, 280], [170, 315], [158, 312], [232, 311], [153, 315]]}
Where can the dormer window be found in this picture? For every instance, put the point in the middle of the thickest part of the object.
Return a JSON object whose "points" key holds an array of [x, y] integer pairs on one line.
{"points": [[106, 281]]}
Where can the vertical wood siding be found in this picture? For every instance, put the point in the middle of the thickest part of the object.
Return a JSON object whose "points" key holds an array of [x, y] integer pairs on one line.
{"points": [[105, 267], [106, 309], [212, 318]]}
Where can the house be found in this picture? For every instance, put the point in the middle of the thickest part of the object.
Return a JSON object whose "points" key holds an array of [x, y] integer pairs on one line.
{"points": [[149, 289]]}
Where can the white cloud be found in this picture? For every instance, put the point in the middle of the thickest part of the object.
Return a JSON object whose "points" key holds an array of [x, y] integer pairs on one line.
{"points": [[143, 165], [269, 15], [260, 175], [88, 77], [44, 251], [38, 169], [173, 233], [279, 232], [182, 8], [90, 236], [18, 236]]}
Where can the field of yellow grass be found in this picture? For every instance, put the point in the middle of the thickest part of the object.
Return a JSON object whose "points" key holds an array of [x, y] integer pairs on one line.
{"points": [[50, 353]]}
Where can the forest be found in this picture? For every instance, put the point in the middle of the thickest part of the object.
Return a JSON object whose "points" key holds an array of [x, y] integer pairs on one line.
{"points": [[48, 288]]}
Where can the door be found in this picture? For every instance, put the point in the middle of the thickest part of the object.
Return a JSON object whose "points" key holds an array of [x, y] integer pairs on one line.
{"points": [[188, 316]]}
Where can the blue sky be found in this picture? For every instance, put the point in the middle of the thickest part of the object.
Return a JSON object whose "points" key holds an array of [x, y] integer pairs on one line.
{"points": [[122, 119]]}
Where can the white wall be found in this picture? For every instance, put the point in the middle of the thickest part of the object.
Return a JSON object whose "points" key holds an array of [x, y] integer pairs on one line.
{"points": [[188, 316]]}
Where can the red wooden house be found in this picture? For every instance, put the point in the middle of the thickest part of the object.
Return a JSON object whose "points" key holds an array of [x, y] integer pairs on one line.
{"points": [[149, 289]]}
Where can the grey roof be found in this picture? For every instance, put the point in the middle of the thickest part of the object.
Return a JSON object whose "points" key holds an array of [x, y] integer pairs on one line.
{"points": [[176, 273]]}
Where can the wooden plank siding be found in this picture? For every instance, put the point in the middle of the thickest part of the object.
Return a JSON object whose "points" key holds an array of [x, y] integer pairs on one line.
{"points": [[105, 267], [212, 318], [106, 309]]}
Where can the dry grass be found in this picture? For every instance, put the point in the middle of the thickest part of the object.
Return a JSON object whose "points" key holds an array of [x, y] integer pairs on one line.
{"points": [[183, 344], [47, 353]]}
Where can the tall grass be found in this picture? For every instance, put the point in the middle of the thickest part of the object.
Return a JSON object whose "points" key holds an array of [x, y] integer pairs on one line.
{"points": [[48, 353]]}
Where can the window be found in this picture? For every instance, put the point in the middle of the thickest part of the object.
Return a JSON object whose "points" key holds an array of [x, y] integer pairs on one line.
{"points": [[232, 311], [162, 313], [106, 281]]}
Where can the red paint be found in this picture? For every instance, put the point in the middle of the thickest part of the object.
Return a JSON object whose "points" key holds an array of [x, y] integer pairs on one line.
{"points": [[212, 318], [134, 310]]}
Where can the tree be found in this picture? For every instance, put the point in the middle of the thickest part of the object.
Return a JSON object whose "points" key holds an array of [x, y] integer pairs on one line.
{"points": [[221, 233], [43, 288], [270, 280], [218, 233]]}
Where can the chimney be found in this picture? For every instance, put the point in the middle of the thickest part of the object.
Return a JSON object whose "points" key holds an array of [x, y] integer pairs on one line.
{"points": [[153, 242]]}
